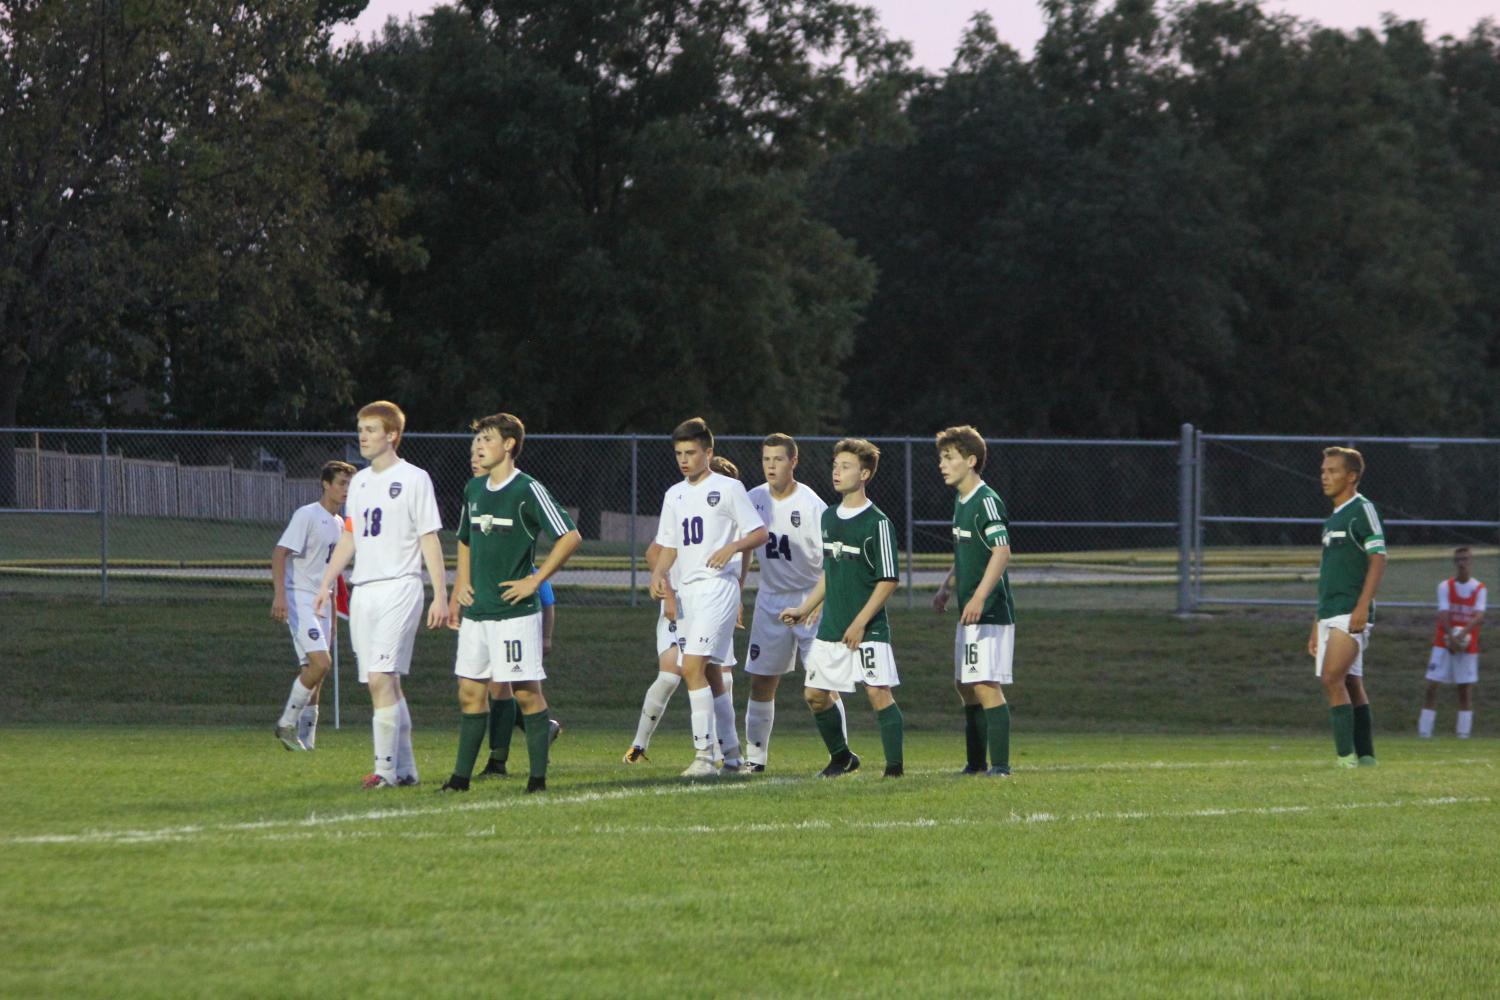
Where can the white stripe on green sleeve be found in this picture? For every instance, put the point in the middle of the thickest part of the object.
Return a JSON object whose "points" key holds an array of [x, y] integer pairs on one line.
{"points": [[887, 552], [557, 520]]}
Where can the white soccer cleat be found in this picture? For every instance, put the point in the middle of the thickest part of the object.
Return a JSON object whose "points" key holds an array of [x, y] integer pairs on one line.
{"points": [[701, 767], [288, 737]]}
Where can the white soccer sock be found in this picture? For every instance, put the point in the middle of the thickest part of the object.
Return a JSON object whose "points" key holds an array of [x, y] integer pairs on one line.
{"points": [[1425, 722], [307, 726], [728, 736], [760, 716], [406, 761], [655, 706], [295, 703], [701, 702], [1465, 725], [385, 724]]}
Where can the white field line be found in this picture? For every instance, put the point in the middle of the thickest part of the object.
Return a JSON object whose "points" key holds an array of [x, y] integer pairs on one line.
{"points": [[289, 828], [921, 823]]}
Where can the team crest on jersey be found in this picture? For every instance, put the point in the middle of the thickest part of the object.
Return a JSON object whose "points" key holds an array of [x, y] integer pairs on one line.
{"points": [[395, 490], [796, 519], [313, 633], [489, 522], [713, 498], [754, 651]]}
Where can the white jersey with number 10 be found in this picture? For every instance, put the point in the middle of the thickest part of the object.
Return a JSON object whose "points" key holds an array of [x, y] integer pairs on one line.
{"points": [[390, 511], [698, 519]]}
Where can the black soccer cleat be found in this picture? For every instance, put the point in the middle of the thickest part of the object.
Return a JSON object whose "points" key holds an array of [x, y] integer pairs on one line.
{"points": [[972, 769], [838, 767], [750, 767], [895, 771], [493, 769], [536, 785], [998, 771], [455, 784]]}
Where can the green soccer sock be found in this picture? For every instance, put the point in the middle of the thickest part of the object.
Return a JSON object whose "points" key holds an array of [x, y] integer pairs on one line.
{"points": [[891, 729], [538, 741], [974, 736], [503, 716], [1342, 717], [470, 739], [831, 727], [998, 720], [1364, 731]]}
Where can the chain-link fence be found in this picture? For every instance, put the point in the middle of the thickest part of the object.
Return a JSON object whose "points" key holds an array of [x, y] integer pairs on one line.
{"points": [[1259, 507], [129, 514], [1207, 519]]}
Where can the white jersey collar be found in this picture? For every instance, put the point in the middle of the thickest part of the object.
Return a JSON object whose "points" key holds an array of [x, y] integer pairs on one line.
{"points": [[496, 489], [849, 514], [1346, 503], [970, 496]]}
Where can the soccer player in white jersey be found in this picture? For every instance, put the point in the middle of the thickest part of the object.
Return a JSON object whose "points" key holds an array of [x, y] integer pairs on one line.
{"points": [[1455, 646], [707, 522], [668, 662], [395, 524], [791, 564], [297, 564], [669, 629]]}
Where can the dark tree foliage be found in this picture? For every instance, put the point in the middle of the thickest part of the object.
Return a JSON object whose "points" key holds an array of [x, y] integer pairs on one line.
{"points": [[612, 197], [176, 208], [1215, 215]]}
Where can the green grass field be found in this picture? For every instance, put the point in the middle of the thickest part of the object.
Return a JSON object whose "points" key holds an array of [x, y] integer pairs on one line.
{"points": [[1174, 827]]}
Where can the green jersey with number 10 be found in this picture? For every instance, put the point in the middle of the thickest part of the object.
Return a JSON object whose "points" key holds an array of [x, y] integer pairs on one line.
{"points": [[500, 526]]}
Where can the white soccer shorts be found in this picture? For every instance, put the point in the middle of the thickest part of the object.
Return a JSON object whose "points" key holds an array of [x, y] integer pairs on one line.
{"points": [[774, 648], [1453, 668], [832, 666], [1341, 623], [668, 635], [383, 620], [709, 610], [309, 632], [983, 654], [501, 651]]}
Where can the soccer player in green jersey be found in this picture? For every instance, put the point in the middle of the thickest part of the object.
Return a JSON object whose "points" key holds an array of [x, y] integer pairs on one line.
{"points": [[985, 641], [501, 635], [503, 715], [854, 637], [1353, 563]]}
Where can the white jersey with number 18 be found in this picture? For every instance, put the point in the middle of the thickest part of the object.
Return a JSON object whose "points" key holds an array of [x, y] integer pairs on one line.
{"points": [[390, 511]]}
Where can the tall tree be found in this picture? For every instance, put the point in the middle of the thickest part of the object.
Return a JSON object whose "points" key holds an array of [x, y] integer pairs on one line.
{"points": [[612, 195], [166, 235]]}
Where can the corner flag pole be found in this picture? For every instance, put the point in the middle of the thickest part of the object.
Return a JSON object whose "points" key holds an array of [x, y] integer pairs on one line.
{"points": [[335, 667]]}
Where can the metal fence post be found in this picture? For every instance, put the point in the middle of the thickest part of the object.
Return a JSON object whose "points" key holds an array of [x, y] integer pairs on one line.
{"points": [[104, 515], [910, 552], [634, 503], [1199, 461], [1185, 521]]}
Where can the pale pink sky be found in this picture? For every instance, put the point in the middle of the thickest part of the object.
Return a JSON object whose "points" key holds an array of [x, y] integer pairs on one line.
{"points": [[933, 26]]}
